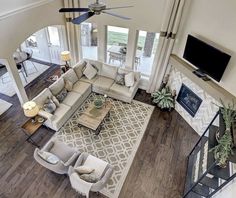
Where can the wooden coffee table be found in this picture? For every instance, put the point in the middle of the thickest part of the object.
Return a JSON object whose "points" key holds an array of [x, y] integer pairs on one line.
{"points": [[93, 118], [30, 128]]}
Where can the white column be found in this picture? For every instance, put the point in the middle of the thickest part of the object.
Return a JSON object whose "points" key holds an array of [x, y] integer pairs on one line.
{"points": [[131, 48], [15, 77], [102, 42]]}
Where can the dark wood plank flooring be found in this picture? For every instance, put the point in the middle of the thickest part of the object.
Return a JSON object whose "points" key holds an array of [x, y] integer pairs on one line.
{"points": [[158, 170]]}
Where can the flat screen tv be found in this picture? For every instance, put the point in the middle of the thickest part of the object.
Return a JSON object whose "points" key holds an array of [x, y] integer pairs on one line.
{"points": [[207, 58]]}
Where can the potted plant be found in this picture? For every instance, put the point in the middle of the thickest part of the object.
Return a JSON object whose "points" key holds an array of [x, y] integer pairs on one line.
{"points": [[164, 99], [223, 150]]}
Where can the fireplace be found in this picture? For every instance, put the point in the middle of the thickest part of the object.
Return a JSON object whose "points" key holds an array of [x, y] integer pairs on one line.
{"points": [[189, 100]]}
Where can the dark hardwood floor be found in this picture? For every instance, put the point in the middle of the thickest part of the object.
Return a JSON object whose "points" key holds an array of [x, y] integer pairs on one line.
{"points": [[158, 170]]}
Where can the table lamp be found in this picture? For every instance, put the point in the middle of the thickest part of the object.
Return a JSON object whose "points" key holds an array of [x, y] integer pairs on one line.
{"points": [[65, 56], [30, 110]]}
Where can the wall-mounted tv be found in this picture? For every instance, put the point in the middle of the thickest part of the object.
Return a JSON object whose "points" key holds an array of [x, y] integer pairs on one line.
{"points": [[207, 58]]}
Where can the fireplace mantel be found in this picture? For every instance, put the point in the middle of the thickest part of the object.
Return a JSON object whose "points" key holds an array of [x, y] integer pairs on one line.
{"points": [[211, 87]]}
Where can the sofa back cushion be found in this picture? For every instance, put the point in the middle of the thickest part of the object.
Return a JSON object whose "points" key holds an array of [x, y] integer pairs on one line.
{"points": [[42, 97], [57, 86], [71, 76], [109, 71], [78, 68]]}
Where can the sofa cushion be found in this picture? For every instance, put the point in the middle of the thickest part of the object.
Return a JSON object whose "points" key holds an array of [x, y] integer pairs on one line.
{"points": [[71, 76], [71, 98], [109, 71], [59, 114], [120, 90], [42, 97], [81, 87], [57, 86], [78, 68], [84, 79], [103, 83], [62, 150], [129, 79], [90, 72]]}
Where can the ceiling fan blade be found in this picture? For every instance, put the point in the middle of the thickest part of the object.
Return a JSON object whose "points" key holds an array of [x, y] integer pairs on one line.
{"points": [[116, 15], [82, 18], [119, 7], [74, 10]]}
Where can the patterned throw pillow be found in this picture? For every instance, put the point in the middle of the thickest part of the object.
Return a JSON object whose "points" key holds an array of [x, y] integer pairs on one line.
{"points": [[84, 170], [90, 72], [49, 106], [120, 79], [91, 178], [62, 95]]}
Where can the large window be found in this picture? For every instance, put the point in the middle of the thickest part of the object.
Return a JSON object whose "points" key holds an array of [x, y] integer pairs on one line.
{"points": [[146, 49], [53, 34], [89, 40], [117, 39]]}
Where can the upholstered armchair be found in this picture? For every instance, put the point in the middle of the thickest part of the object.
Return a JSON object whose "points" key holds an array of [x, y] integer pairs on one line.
{"points": [[66, 155], [95, 187]]}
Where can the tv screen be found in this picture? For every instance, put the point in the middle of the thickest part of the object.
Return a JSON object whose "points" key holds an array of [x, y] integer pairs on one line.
{"points": [[206, 57]]}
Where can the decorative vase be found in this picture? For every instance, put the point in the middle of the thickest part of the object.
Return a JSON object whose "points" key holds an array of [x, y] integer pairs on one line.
{"points": [[98, 103]]}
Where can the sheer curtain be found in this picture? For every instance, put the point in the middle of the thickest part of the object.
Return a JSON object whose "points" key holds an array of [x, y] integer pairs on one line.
{"points": [[73, 31], [169, 29]]}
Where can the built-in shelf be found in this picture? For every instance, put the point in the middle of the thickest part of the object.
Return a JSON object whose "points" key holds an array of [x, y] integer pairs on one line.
{"points": [[211, 87]]}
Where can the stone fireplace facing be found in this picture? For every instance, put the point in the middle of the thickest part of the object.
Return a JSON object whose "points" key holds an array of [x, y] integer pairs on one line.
{"points": [[189, 100], [193, 103]]}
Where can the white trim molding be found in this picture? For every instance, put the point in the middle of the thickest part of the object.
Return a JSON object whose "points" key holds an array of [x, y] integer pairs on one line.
{"points": [[23, 8]]}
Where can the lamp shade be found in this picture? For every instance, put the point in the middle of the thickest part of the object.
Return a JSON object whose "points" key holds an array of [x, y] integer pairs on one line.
{"points": [[30, 109], [65, 56]]}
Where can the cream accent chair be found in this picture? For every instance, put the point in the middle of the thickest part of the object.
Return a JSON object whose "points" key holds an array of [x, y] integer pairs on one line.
{"points": [[96, 187], [65, 153]]}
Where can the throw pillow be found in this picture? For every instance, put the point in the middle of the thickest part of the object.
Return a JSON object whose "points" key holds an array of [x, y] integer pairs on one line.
{"points": [[48, 157], [56, 102], [68, 85], [62, 95], [129, 79], [84, 170], [90, 72], [49, 106], [120, 79], [91, 178]]}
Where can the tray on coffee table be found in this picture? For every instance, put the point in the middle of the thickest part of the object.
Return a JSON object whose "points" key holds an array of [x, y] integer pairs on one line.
{"points": [[93, 118]]}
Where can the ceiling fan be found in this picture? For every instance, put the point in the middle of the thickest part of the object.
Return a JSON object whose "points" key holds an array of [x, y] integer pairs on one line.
{"points": [[95, 8]]}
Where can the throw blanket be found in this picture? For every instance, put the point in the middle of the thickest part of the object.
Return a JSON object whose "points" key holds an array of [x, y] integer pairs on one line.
{"points": [[84, 187]]}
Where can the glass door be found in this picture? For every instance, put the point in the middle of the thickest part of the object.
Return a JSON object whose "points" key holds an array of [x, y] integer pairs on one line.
{"points": [[117, 40]]}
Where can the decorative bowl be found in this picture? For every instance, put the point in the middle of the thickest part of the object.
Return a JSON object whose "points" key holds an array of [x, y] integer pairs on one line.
{"points": [[98, 103]]}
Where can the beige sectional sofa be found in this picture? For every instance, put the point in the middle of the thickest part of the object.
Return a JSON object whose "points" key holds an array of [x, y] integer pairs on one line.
{"points": [[103, 83]]}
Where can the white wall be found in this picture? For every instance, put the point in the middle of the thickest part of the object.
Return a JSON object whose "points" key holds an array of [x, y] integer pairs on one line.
{"points": [[215, 21], [9, 5], [146, 15], [19, 26]]}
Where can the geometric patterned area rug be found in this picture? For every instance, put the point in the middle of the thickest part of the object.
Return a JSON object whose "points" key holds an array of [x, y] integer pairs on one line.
{"points": [[118, 140]]}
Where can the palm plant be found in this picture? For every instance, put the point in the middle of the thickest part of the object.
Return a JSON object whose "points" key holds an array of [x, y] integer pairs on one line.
{"points": [[163, 98], [223, 150]]}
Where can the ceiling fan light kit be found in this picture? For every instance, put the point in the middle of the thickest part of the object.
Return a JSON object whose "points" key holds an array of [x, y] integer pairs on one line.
{"points": [[95, 8]]}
